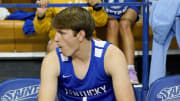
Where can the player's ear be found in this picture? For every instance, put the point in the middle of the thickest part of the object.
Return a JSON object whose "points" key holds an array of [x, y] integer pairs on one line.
{"points": [[81, 35]]}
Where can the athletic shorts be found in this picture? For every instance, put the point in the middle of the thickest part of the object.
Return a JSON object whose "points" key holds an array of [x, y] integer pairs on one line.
{"points": [[118, 11]]}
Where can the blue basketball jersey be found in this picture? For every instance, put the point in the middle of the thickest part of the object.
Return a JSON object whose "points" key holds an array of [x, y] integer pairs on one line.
{"points": [[95, 86]]}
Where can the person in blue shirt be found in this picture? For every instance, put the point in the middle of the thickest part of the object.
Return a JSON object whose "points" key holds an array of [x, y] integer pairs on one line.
{"points": [[120, 21], [81, 68]]}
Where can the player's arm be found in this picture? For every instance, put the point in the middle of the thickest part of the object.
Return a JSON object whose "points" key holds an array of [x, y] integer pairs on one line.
{"points": [[43, 17], [49, 75], [116, 67]]}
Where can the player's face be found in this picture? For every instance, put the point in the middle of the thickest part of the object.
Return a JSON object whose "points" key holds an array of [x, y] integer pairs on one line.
{"points": [[67, 41]]}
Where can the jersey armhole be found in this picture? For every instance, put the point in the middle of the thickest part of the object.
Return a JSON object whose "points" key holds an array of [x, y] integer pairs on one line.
{"points": [[58, 52], [104, 52]]}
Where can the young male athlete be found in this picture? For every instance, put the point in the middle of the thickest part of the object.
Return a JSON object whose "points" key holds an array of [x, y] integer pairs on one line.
{"points": [[83, 69]]}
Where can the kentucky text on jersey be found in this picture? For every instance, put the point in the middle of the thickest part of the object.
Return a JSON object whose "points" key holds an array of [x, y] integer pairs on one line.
{"points": [[90, 92], [169, 93], [21, 93]]}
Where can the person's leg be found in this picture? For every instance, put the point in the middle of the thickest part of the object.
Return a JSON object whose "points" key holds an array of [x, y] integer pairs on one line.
{"points": [[112, 30], [125, 28]]}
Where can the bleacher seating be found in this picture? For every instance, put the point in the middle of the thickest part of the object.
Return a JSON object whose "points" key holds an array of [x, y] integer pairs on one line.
{"points": [[12, 38]]}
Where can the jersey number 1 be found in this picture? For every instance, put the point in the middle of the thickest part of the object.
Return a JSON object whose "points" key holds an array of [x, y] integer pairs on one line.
{"points": [[84, 99]]}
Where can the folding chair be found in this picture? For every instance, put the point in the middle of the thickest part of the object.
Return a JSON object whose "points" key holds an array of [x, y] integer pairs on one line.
{"points": [[165, 89], [21, 89]]}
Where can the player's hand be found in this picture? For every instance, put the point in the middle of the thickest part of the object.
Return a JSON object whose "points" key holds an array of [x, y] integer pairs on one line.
{"points": [[93, 2], [41, 11]]}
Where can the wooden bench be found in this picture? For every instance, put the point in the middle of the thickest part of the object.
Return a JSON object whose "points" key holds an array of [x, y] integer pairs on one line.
{"points": [[12, 38]]}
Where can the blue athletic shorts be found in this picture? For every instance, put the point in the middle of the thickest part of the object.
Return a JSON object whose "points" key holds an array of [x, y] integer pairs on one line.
{"points": [[118, 11]]}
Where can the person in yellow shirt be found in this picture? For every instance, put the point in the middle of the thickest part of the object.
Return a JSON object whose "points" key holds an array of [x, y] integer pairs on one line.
{"points": [[44, 16]]}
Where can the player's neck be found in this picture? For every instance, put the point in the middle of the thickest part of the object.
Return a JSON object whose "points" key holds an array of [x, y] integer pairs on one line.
{"points": [[84, 52]]}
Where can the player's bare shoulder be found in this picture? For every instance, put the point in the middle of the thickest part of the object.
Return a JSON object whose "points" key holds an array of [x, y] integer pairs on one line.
{"points": [[51, 57], [113, 51], [51, 61], [114, 58]]}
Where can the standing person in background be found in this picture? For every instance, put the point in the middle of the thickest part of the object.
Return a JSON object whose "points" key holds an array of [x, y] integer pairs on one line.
{"points": [[3, 12], [120, 21], [43, 18], [83, 69]]}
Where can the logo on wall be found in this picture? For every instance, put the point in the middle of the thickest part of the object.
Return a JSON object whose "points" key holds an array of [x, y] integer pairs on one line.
{"points": [[28, 92], [169, 93]]}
